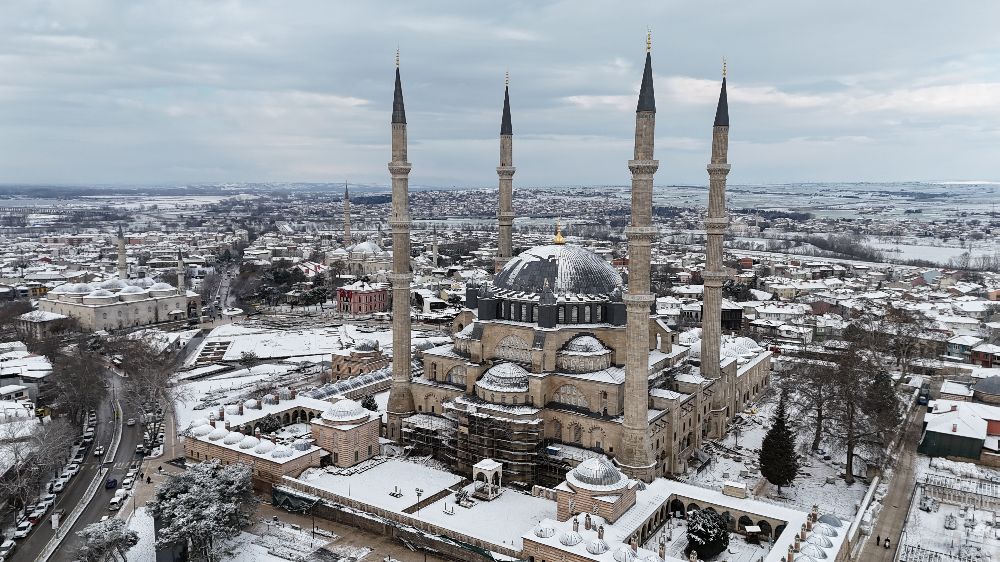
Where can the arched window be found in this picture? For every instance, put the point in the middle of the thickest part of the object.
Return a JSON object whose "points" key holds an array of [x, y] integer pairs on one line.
{"points": [[600, 313], [576, 433], [534, 313], [586, 314], [456, 376], [524, 313], [562, 314], [571, 396], [574, 314], [513, 348]]}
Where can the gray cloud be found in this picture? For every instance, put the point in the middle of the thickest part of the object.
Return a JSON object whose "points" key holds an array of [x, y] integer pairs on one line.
{"points": [[170, 91]]}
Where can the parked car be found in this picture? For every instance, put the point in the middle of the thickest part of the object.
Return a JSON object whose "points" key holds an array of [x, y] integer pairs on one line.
{"points": [[110, 483], [127, 482], [130, 422], [48, 500], [7, 549], [23, 529], [73, 468], [37, 515], [78, 459], [58, 485], [139, 449], [130, 473]]}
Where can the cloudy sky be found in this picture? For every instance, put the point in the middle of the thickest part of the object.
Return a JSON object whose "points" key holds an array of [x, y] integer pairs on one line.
{"points": [[178, 91]]}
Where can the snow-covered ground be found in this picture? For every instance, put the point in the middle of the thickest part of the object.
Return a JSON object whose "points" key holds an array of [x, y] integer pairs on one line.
{"points": [[216, 389], [374, 485], [520, 512]]}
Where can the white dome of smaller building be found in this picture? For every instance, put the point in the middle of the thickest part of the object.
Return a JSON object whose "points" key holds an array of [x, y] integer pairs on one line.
{"points": [[597, 546], [265, 446], [814, 551], [113, 284], [132, 290], [218, 433], [625, 554], [233, 438], [143, 282], [597, 474], [233, 410], [161, 287], [301, 445], [585, 344], [819, 540], [80, 289], [281, 452], [570, 538], [251, 404], [825, 529], [344, 411], [199, 421], [249, 442], [202, 430], [544, 531]]}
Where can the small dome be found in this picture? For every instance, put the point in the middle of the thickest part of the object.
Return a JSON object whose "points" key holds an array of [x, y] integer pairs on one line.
{"points": [[544, 531], [80, 289], [597, 546], [345, 410], [131, 290], [814, 551], [597, 473], [819, 540], [366, 345], [199, 421], [265, 446], [60, 289], [825, 529], [301, 445], [281, 452], [570, 538], [218, 433], [143, 282], [585, 344], [626, 554], [101, 293], [161, 287], [367, 247], [285, 394], [232, 409], [113, 284], [249, 442], [202, 430], [270, 399], [251, 404], [233, 438], [831, 520], [505, 377], [804, 558]]}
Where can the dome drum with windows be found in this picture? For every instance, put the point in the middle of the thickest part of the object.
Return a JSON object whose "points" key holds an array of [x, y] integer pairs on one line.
{"points": [[555, 284]]}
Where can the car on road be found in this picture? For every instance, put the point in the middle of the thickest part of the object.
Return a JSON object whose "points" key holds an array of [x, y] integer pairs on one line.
{"points": [[58, 485], [130, 473], [139, 449], [127, 482], [48, 500], [73, 467], [89, 433], [98, 450], [130, 422], [110, 483], [23, 529], [7, 549], [37, 515], [78, 459]]}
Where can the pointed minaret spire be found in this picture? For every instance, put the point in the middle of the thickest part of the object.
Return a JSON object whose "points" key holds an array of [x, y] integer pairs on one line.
{"points": [[636, 457], [506, 169], [722, 110], [398, 112], [400, 392]]}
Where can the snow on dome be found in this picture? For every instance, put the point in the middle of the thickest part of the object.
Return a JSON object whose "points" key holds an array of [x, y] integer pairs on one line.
{"points": [[585, 344], [143, 282], [345, 410], [199, 421], [251, 404], [505, 377], [161, 287], [285, 394], [814, 551], [819, 540], [625, 554], [202, 430], [249, 442], [60, 289], [218, 433], [301, 445], [804, 558], [567, 268], [831, 520], [570, 538], [113, 284], [825, 529], [100, 293], [80, 289], [131, 290], [233, 409], [233, 438], [270, 399], [544, 531], [597, 473], [281, 452], [465, 332], [264, 447], [597, 546]]}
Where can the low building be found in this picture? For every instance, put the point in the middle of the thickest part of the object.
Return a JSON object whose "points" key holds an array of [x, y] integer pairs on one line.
{"points": [[365, 357], [348, 432], [963, 430], [118, 303], [363, 298]]}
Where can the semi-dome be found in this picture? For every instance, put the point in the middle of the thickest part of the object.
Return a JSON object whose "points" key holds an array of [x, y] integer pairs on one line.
{"points": [[597, 473], [566, 268], [505, 377], [585, 344], [264, 447], [345, 410], [597, 546], [570, 538]]}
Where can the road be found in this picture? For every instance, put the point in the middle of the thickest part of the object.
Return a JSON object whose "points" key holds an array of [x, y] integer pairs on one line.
{"points": [[897, 502]]}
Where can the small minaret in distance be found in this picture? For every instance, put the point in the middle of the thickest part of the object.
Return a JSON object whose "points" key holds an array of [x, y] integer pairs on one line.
{"points": [[636, 457], [181, 285], [400, 394], [122, 264], [716, 221], [434, 248], [505, 212], [347, 216]]}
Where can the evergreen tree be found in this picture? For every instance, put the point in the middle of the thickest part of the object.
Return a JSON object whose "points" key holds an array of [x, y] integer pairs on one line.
{"points": [[706, 533], [778, 462], [368, 403]]}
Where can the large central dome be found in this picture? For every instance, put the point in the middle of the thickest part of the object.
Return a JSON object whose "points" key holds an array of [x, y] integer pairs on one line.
{"points": [[567, 268]]}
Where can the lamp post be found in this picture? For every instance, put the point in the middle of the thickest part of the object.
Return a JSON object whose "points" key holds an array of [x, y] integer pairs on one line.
{"points": [[420, 492]]}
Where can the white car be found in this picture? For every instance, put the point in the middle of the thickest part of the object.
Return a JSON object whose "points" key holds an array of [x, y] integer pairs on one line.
{"points": [[7, 549], [47, 501], [98, 450], [58, 485], [127, 482], [23, 530], [73, 468], [130, 422]]}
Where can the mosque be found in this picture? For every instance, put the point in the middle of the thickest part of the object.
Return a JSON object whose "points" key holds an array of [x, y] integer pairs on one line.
{"points": [[558, 360]]}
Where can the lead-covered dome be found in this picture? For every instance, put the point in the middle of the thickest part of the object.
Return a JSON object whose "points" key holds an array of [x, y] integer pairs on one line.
{"points": [[597, 473], [505, 377], [344, 411], [567, 268]]}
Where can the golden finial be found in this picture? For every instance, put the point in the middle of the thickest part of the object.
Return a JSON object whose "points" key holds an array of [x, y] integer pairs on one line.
{"points": [[723, 67], [397, 57], [506, 77], [558, 238], [649, 39]]}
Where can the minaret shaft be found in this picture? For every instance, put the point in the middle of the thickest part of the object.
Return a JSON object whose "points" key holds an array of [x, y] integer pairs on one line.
{"points": [[400, 394], [716, 221], [505, 171], [122, 264], [347, 217], [636, 457]]}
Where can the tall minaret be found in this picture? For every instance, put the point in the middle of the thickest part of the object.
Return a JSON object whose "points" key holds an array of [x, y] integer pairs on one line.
{"points": [[347, 216], [636, 457], [715, 227], [505, 214], [400, 396], [122, 265], [181, 285], [434, 248]]}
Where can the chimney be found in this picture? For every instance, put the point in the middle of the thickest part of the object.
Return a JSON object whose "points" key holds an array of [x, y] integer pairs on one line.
{"points": [[222, 412], [227, 425], [256, 432], [954, 428], [798, 543], [815, 512], [954, 407], [802, 532], [576, 524], [600, 531], [634, 543], [241, 408], [693, 557], [663, 550], [791, 553], [586, 522], [293, 392], [809, 525]]}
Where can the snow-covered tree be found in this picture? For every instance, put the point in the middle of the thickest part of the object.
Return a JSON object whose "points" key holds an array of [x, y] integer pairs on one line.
{"points": [[778, 461], [368, 403], [106, 540], [706, 533], [204, 508]]}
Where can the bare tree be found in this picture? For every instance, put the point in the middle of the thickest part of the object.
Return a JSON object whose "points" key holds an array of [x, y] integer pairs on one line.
{"points": [[79, 381], [812, 387], [34, 451], [148, 374], [906, 330]]}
